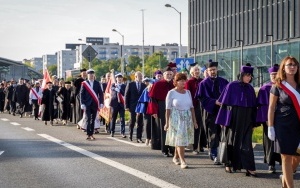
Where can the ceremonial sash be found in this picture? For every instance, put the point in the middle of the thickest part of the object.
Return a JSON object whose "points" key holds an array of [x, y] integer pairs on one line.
{"points": [[293, 94], [36, 95], [91, 92]]}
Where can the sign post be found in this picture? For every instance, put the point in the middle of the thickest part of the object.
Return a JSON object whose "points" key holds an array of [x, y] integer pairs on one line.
{"points": [[89, 53], [184, 63]]}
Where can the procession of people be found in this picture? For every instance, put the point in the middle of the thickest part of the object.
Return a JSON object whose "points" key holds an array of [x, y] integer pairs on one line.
{"points": [[174, 110]]}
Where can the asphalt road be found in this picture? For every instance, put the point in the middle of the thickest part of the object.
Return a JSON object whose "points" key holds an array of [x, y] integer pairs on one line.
{"points": [[35, 155]]}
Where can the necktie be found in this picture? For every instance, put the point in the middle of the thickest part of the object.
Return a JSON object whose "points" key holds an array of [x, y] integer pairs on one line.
{"points": [[138, 86]]}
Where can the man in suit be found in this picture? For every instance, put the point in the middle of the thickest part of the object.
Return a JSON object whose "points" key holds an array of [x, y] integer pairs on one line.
{"points": [[91, 100], [117, 105], [133, 92]]}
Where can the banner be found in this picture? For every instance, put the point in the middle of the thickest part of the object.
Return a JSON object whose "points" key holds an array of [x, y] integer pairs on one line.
{"points": [[46, 78], [105, 112]]}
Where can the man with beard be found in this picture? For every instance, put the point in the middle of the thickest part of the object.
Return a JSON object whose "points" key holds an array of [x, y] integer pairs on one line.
{"points": [[209, 90], [78, 112], [158, 94]]}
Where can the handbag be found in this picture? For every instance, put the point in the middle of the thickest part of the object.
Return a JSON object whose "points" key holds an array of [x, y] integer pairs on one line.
{"points": [[223, 157]]}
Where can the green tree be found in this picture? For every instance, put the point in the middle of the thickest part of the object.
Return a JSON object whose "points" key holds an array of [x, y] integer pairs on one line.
{"points": [[28, 63], [153, 63], [52, 69]]}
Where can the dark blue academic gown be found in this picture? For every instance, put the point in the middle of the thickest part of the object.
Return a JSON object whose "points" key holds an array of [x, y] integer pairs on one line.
{"points": [[238, 115]]}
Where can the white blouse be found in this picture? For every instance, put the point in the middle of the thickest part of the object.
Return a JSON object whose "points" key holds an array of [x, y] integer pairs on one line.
{"points": [[181, 101]]}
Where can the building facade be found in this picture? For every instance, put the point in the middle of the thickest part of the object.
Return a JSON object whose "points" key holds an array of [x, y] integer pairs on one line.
{"points": [[49, 59], [65, 61], [236, 32], [37, 63], [115, 51]]}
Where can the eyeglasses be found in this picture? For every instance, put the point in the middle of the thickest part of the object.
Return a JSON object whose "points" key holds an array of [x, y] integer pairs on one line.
{"points": [[291, 65]]}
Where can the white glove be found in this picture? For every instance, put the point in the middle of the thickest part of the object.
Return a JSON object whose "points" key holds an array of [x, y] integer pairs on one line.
{"points": [[82, 107], [271, 133], [117, 89], [30, 102]]}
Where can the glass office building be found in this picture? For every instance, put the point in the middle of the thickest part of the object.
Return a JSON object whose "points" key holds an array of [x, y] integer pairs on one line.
{"points": [[260, 32]]}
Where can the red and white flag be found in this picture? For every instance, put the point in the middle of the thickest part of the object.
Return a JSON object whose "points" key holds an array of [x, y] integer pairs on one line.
{"points": [[46, 78]]}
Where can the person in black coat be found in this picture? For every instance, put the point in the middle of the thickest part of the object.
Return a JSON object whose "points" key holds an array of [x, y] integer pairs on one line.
{"points": [[48, 101], [77, 84], [64, 105], [11, 97], [2, 97], [117, 105], [21, 96], [133, 92]]}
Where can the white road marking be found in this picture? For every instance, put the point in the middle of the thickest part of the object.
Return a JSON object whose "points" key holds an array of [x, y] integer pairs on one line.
{"points": [[1, 152], [27, 129], [4, 119], [139, 174], [15, 123], [127, 142]]}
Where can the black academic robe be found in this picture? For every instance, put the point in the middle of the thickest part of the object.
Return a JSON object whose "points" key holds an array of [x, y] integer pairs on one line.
{"points": [[238, 114], [65, 105], [78, 112], [48, 99]]}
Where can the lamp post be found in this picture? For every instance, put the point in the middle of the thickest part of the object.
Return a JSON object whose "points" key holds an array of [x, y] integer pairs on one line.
{"points": [[241, 44], [170, 6], [271, 48], [122, 48], [194, 53], [143, 59], [216, 51]]}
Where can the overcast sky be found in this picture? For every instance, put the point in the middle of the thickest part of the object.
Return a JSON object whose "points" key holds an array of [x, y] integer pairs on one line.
{"points": [[32, 28]]}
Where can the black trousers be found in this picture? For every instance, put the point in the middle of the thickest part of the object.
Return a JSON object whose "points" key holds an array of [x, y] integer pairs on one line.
{"points": [[147, 121], [35, 108], [199, 134], [161, 122], [91, 112], [134, 118], [115, 111]]}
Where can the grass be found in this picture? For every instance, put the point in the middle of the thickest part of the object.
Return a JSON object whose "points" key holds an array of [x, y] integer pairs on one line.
{"points": [[257, 135]]}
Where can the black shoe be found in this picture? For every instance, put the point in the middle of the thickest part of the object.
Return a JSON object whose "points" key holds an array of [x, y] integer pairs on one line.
{"points": [[228, 170], [250, 174], [130, 139], [14, 114], [21, 116], [201, 149], [165, 154], [96, 132], [140, 141], [112, 134], [123, 136]]}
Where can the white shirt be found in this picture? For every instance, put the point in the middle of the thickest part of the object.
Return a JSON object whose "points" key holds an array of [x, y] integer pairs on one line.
{"points": [[181, 101], [91, 83]]}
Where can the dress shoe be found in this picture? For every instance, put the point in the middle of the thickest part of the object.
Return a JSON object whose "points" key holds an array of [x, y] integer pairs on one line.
{"points": [[78, 127], [272, 170], [96, 132], [14, 114], [45, 122], [130, 139], [88, 138], [21, 116], [51, 123], [253, 174], [216, 161], [123, 136], [201, 149], [165, 154], [228, 170], [112, 134], [140, 141], [93, 138]]}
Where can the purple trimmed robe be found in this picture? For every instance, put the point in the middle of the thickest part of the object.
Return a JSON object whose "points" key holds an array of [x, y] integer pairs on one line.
{"points": [[207, 95], [263, 103]]}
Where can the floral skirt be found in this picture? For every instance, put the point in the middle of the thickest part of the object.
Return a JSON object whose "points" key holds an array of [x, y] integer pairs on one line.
{"points": [[181, 129]]}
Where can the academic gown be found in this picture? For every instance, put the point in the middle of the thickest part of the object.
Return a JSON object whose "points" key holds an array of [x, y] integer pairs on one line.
{"points": [[261, 118], [48, 99], [78, 112], [65, 105], [238, 113]]}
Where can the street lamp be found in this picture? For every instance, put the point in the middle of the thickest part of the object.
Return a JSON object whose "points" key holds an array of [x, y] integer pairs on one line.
{"points": [[122, 47], [216, 50], [194, 52], [271, 48], [241, 43], [143, 65], [170, 6]]}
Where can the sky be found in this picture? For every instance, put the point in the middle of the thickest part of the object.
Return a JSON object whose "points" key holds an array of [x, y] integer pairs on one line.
{"points": [[33, 28]]}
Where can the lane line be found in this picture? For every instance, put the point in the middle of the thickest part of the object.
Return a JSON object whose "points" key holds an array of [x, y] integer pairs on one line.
{"points": [[130, 143], [1, 152], [139, 174], [4, 119], [15, 123], [27, 129]]}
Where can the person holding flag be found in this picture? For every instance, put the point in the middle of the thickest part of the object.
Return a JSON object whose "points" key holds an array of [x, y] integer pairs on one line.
{"points": [[91, 100], [117, 104], [35, 98]]}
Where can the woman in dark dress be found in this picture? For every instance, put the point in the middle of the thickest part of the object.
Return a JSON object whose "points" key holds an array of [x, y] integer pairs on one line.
{"points": [[48, 101], [283, 116], [239, 109], [64, 105]]}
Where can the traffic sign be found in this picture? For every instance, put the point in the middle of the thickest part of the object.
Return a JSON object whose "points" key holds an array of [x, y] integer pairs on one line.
{"points": [[89, 53], [183, 63]]}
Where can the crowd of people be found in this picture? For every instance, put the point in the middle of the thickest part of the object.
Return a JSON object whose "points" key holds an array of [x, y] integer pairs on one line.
{"points": [[178, 109]]}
